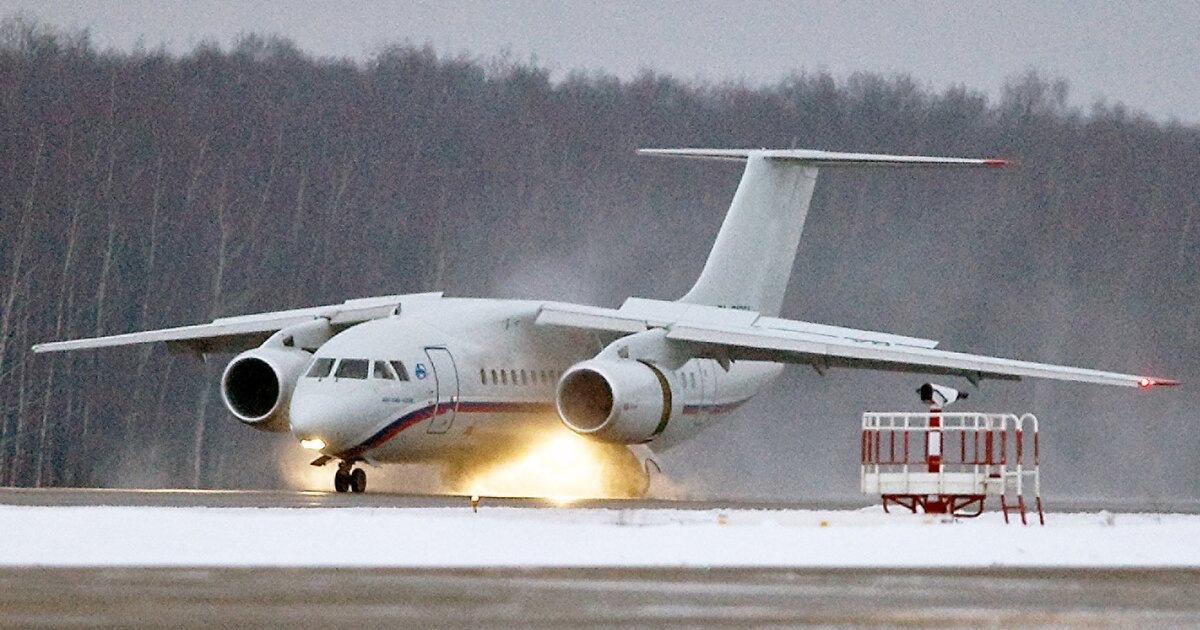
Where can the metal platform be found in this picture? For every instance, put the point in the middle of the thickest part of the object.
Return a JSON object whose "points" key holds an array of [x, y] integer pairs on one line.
{"points": [[950, 463]]}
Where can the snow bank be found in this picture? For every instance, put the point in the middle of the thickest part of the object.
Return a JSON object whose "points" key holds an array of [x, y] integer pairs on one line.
{"points": [[502, 536]]}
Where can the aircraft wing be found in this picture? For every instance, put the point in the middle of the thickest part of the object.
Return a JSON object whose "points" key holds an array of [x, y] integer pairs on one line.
{"points": [[726, 334], [233, 334]]}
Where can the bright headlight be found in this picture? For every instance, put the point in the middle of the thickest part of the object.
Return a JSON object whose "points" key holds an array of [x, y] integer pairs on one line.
{"points": [[313, 444]]}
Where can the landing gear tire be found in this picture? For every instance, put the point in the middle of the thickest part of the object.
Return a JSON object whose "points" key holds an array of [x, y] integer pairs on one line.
{"points": [[358, 480], [341, 480]]}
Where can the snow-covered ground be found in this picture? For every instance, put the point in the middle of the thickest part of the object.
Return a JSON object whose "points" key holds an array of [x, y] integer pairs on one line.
{"points": [[505, 536]]}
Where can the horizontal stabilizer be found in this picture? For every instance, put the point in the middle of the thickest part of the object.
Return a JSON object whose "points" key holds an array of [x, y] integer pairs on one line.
{"points": [[823, 158]]}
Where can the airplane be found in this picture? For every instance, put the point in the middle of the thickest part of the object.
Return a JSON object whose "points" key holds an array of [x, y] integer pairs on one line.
{"points": [[423, 377]]}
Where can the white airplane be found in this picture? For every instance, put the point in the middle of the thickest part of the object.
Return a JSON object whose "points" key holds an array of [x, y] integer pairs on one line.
{"points": [[421, 377]]}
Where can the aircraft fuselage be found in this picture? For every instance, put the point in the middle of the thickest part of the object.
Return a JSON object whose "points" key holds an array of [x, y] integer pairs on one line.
{"points": [[461, 374]]}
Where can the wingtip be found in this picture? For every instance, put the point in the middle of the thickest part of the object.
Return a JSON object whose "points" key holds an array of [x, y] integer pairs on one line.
{"points": [[996, 162]]}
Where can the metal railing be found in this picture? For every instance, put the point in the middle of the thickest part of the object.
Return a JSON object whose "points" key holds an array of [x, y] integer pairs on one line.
{"points": [[950, 462]]}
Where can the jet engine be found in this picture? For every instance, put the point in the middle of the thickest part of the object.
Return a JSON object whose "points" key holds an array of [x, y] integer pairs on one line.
{"points": [[617, 400], [257, 385]]}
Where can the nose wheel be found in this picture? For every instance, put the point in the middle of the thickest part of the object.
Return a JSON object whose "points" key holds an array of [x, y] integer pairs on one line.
{"points": [[349, 478]]}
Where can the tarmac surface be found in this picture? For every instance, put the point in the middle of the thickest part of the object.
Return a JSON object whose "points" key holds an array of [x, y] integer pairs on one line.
{"points": [[228, 598], [532, 597], [322, 499]]}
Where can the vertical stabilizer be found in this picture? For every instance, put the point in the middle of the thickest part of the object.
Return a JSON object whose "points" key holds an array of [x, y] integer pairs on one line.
{"points": [[751, 260]]}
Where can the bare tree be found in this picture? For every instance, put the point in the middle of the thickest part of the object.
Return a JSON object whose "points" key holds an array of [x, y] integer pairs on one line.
{"points": [[64, 288], [16, 465], [296, 246], [333, 214], [225, 234], [24, 231]]}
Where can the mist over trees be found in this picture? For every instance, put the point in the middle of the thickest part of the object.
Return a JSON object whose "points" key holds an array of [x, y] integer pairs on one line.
{"points": [[143, 190]]}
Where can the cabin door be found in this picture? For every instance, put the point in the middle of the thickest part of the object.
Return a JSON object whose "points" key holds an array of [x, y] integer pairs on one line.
{"points": [[445, 373]]}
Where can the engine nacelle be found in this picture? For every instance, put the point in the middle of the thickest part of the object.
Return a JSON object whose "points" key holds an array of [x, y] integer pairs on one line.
{"points": [[619, 401], [257, 385]]}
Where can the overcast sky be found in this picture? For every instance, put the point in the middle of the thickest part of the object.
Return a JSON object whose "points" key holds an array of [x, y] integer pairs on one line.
{"points": [[1144, 54]]}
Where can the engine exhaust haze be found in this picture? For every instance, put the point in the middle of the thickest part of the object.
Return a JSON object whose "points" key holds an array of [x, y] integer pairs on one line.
{"points": [[557, 465]]}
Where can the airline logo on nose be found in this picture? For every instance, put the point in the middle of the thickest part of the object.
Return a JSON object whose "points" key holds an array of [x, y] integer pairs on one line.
{"points": [[420, 371]]}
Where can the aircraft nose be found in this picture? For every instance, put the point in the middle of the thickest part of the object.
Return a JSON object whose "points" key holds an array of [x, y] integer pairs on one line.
{"points": [[325, 418]]}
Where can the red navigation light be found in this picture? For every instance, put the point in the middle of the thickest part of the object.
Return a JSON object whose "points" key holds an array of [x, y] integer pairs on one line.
{"points": [[995, 162], [1145, 382]]}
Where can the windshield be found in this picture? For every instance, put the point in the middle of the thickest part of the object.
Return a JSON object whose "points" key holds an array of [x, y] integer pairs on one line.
{"points": [[320, 368], [352, 368]]}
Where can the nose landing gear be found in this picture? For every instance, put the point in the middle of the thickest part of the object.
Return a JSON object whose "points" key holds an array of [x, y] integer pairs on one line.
{"points": [[349, 478]]}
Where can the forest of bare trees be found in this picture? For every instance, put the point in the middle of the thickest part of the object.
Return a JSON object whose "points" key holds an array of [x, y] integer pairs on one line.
{"points": [[143, 190]]}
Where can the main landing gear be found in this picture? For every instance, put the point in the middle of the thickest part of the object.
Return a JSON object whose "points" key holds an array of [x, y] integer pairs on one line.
{"points": [[349, 478]]}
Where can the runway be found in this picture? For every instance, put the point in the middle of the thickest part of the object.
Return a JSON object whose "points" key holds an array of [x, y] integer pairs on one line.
{"points": [[377, 555], [323, 499], [509, 598]]}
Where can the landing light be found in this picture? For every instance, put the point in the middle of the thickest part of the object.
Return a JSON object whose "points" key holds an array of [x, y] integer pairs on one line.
{"points": [[1145, 382], [313, 444]]}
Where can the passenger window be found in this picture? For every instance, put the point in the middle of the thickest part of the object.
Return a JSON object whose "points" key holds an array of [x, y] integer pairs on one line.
{"points": [[495, 380], [482, 376], [513, 373], [503, 377], [524, 379], [320, 368], [692, 378], [401, 373], [381, 370], [352, 368], [545, 381]]}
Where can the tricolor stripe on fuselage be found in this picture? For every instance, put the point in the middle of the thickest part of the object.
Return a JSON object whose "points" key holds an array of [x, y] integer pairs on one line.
{"points": [[393, 428]]}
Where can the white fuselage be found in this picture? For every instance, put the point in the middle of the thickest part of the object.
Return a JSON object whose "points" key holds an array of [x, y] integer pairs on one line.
{"points": [[467, 374]]}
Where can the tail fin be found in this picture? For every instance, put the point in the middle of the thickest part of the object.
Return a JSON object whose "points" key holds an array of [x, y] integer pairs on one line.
{"points": [[751, 260]]}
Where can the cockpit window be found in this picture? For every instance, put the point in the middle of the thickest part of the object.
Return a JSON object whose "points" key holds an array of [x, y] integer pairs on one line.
{"points": [[352, 368], [382, 370], [320, 368], [400, 371]]}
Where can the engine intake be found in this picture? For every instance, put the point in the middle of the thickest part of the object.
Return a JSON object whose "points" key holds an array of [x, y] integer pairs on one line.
{"points": [[257, 386], [618, 401]]}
